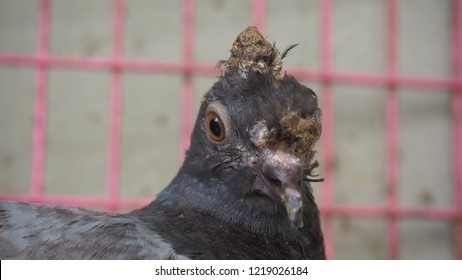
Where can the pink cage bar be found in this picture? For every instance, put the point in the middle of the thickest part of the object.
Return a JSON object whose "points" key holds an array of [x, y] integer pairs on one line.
{"points": [[391, 80]]}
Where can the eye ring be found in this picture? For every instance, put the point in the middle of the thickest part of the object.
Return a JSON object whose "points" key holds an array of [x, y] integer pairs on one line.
{"points": [[215, 127]]}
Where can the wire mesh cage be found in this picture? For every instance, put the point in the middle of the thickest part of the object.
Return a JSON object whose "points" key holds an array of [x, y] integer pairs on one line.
{"points": [[377, 140]]}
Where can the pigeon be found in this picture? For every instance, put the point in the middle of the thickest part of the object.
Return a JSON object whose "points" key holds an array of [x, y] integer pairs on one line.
{"points": [[242, 192]]}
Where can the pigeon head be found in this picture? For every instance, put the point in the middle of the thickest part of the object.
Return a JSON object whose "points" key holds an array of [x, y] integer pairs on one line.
{"points": [[252, 148]]}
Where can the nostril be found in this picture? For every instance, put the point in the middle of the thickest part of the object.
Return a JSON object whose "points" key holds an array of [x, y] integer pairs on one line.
{"points": [[276, 182], [274, 176]]}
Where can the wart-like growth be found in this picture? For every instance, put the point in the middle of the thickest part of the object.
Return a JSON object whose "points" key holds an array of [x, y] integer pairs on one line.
{"points": [[252, 52]]}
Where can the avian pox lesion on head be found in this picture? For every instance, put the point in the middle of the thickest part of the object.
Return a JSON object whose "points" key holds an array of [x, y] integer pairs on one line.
{"points": [[252, 52], [307, 131]]}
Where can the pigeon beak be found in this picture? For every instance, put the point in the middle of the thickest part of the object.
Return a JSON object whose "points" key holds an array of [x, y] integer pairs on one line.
{"points": [[284, 173], [293, 201]]}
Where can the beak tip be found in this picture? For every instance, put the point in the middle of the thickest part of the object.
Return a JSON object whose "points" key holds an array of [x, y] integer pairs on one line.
{"points": [[297, 224], [296, 220]]}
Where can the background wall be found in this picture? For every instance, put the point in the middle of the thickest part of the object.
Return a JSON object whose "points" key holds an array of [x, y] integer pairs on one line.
{"points": [[78, 105]]}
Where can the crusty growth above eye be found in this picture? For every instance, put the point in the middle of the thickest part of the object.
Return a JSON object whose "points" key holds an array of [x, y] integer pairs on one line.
{"points": [[305, 131]]}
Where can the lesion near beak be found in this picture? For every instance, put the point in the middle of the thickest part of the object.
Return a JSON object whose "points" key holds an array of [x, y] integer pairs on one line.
{"points": [[292, 199]]}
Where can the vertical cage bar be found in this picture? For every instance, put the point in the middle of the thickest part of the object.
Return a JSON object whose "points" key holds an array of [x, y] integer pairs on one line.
{"points": [[258, 15], [115, 109], [40, 108], [456, 53], [392, 128], [327, 123], [187, 94]]}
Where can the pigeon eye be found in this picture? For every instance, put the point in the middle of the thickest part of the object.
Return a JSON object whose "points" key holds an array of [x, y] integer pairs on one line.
{"points": [[215, 128]]}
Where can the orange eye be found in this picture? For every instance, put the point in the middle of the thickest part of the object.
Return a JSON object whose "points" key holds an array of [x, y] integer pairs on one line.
{"points": [[215, 128]]}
